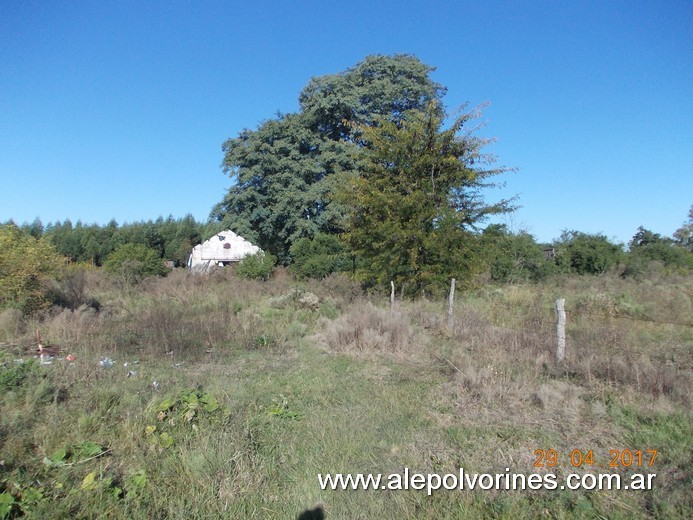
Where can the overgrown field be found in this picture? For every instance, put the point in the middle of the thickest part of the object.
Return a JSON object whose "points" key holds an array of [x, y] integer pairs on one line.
{"points": [[237, 394]]}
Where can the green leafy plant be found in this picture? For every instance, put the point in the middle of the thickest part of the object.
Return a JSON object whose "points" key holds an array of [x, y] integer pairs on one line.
{"points": [[91, 482], [256, 267], [189, 405], [14, 375], [78, 453], [281, 410], [263, 341], [136, 483], [26, 266], [131, 263], [7, 502], [318, 257]]}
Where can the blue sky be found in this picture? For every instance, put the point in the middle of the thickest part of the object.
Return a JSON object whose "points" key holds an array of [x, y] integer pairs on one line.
{"points": [[119, 109]]}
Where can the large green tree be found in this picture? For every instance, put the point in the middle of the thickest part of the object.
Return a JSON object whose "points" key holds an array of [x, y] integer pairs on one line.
{"points": [[415, 206], [285, 170]]}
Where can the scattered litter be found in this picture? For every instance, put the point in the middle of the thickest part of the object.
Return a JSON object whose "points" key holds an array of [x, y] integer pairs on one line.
{"points": [[106, 362], [177, 365], [19, 361], [70, 358], [155, 385], [45, 359], [132, 373]]}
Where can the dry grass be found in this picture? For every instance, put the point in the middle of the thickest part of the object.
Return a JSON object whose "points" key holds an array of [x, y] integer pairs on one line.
{"points": [[312, 377], [368, 328]]}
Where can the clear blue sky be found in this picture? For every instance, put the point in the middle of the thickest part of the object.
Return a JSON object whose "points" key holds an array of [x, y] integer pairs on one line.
{"points": [[118, 109]]}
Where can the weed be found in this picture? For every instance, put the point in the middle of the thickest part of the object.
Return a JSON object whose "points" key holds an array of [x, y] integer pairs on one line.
{"points": [[14, 374]]}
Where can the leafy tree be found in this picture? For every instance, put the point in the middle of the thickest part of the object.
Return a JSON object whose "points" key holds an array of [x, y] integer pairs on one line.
{"points": [[27, 264], [281, 190], [647, 246], [378, 87], [131, 263], [645, 237], [584, 253], [256, 267], [414, 208], [286, 169], [35, 229], [684, 235], [319, 257]]}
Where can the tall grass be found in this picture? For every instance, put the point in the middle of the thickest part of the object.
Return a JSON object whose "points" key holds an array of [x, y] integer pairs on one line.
{"points": [[313, 377]]}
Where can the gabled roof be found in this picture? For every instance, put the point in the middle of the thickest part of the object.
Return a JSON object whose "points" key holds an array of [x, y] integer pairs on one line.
{"points": [[223, 247]]}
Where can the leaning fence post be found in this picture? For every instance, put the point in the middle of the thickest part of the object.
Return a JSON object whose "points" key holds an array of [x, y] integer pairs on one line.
{"points": [[451, 301], [392, 294], [560, 329]]}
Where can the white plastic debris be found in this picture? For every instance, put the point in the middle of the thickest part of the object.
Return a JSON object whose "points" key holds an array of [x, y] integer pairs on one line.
{"points": [[132, 373], [155, 385], [106, 362]]}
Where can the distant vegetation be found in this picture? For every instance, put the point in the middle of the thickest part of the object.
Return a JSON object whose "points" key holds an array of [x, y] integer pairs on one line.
{"points": [[171, 239], [35, 272]]}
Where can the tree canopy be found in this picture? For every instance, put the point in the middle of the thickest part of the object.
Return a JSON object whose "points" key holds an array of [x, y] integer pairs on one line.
{"points": [[414, 208], [285, 170]]}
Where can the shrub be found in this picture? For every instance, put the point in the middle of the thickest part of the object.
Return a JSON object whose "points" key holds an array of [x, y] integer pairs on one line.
{"points": [[26, 266], [513, 258], [256, 267], [583, 253], [318, 257], [669, 255], [131, 263], [13, 376]]}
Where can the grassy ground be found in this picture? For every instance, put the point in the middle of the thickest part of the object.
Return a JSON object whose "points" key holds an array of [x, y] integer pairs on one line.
{"points": [[241, 393]]}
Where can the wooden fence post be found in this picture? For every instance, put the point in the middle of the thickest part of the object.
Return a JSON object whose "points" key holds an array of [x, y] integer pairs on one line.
{"points": [[451, 302], [392, 294], [560, 329]]}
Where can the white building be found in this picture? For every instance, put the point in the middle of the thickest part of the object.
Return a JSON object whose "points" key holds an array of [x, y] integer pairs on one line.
{"points": [[222, 249]]}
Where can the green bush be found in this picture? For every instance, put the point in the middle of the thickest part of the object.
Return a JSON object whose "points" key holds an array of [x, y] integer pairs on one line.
{"points": [[649, 249], [12, 376], [318, 257], [27, 264], [583, 253], [514, 258], [131, 263], [256, 267]]}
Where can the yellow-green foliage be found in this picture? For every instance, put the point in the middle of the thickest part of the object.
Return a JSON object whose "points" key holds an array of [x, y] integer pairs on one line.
{"points": [[26, 263]]}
